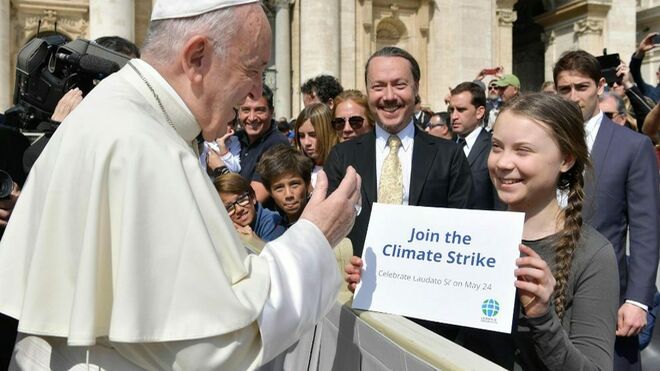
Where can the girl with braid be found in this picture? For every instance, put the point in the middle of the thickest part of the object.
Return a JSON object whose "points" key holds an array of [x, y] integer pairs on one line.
{"points": [[567, 280]]}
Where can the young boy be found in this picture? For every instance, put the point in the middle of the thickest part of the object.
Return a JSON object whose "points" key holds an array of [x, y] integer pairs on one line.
{"points": [[286, 174], [244, 211]]}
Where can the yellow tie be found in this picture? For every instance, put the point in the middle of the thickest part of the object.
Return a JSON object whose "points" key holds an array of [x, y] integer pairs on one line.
{"points": [[390, 190]]}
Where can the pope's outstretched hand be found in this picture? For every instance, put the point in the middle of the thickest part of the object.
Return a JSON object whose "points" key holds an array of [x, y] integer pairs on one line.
{"points": [[335, 214]]}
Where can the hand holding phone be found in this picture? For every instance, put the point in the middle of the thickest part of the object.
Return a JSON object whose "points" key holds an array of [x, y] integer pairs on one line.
{"points": [[655, 39]]}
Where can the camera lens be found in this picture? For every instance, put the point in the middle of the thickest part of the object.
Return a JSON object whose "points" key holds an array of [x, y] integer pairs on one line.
{"points": [[6, 185]]}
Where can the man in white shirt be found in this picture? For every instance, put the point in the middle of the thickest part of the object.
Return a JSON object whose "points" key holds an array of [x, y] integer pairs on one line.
{"points": [[119, 254], [467, 108], [621, 198], [429, 171]]}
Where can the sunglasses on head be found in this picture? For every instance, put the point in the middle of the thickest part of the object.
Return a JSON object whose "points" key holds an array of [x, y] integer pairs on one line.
{"points": [[356, 122]]}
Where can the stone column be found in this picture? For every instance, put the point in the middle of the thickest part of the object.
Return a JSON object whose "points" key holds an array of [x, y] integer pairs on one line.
{"points": [[5, 57], [282, 59], [504, 38], [348, 48], [319, 38], [589, 34], [112, 18]]}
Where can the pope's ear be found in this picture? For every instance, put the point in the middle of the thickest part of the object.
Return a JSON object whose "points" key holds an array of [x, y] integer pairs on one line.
{"points": [[194, 57]]}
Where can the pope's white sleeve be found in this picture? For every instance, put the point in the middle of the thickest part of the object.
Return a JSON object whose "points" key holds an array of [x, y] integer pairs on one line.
{"points": [[304, 283]]}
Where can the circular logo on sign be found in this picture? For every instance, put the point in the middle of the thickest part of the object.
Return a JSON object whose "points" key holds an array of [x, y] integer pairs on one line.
{"points": [[490, 307]]}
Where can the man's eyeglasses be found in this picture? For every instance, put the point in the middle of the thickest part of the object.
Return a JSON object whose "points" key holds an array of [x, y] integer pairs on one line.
{"points": [[431, 126], [611, 115], [356, 122], [492, 87], [242, 200]]}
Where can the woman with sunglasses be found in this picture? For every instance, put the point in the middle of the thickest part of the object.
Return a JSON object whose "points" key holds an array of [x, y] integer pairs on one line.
{"points": [[248, 216], [314, 135], [351, 115]]}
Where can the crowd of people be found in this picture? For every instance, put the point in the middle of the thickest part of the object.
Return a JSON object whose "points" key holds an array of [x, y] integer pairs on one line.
{"points": [[192, 136]]}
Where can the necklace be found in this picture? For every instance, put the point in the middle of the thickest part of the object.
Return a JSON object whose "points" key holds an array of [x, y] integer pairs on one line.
{"points": [[160, 103]]}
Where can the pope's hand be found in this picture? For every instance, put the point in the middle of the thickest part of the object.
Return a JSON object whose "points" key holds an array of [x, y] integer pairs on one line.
{"points": [[334, 215]]}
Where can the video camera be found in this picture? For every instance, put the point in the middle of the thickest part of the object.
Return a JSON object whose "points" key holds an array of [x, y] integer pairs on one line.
{"points": [[48, 67]]}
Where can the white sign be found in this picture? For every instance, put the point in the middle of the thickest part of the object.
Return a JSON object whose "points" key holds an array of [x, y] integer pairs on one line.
{"points": [[446, 265]]}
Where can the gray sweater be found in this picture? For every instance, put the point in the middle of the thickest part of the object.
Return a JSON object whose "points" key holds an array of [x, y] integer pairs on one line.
{"points": [[584, 338]]}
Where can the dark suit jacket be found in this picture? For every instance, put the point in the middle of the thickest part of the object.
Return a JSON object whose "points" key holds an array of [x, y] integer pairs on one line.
{"points": [[484, 195], [622, 193], [439, 176]]}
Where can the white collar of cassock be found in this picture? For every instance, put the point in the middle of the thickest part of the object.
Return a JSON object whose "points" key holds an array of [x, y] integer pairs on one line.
{"points": [[182, 118]]}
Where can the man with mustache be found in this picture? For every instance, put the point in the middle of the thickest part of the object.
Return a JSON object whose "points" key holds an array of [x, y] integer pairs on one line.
{"points": [[398, 162]]}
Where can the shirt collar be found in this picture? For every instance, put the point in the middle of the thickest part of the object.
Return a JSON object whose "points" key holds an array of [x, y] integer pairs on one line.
{"points": [[591, 129], [406, 135], [472, 137]]}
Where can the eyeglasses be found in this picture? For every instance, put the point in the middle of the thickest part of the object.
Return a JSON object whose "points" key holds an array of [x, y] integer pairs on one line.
{"points": [[356, 122], [611, 115], [243, 200], [431, 126], [492, 87]]}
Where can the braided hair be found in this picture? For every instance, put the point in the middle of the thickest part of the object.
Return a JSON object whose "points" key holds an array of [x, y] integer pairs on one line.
{"points": [[563, 119]]}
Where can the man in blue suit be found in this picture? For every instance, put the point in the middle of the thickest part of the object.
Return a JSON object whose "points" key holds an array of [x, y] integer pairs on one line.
{"points": [[621, 198]]}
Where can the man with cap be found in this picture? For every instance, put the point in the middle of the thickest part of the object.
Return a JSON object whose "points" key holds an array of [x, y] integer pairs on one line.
{"points": [[119, 254], [509, 86]]}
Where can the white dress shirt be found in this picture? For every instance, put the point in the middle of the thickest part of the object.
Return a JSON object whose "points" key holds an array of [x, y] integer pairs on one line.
{"points": [[407, 136], [470, 140], [591, 129]]}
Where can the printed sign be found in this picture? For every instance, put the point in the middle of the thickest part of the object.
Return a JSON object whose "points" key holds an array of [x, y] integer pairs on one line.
{"points": [[446, 265]]}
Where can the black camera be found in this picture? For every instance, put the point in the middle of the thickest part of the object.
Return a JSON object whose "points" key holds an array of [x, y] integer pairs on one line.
{"points": [[6, 185], [48, 67]]}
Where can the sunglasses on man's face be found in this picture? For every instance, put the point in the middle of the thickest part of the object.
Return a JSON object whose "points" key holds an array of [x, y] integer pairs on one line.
{"points": [[356, 122], [492, 87], [611, 115]]}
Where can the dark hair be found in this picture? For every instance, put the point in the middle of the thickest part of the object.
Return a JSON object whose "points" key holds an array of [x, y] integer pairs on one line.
{"points": [[268, 94], [233, 183], [283, 159], [325, 87], [478, 94], [444, 117], [580, 61], [120, 45], [283, 126], [393, 51], [564, 122]]}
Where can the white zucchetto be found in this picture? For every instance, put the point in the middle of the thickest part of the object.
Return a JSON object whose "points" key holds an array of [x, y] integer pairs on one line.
{"points": [[169, 9]]}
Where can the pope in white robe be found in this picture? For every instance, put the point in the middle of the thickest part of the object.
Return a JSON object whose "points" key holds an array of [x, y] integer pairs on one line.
{"points": [[120, 255]]}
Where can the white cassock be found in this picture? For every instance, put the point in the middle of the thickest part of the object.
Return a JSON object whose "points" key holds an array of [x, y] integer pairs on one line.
{"points": [[119, 253]]}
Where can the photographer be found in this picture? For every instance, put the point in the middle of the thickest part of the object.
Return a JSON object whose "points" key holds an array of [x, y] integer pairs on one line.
{"points": [[636, 104], [645, 45]]}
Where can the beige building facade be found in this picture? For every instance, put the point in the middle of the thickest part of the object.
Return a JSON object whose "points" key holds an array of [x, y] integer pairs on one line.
{"points": [[451, 39]]}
